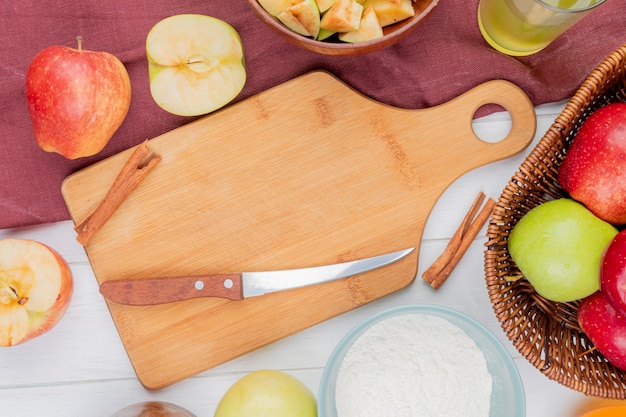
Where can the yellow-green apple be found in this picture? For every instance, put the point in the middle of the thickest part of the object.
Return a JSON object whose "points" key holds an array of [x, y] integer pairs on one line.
{"points": [[77, 99], [153, 409], [195, 64], [267, 393], [594, 169], [558, 247], [303, 17], [613, 273], [35, 289], [605, 327]]}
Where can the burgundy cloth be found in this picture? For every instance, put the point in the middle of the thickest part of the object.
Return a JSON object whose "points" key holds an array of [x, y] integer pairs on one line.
{"points": [[444, 57]]}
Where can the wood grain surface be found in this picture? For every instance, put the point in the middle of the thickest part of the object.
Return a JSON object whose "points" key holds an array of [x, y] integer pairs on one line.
{"points": [[308, 173]]}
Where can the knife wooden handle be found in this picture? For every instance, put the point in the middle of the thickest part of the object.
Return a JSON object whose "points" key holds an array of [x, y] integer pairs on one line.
{"points": [[161, 290]]}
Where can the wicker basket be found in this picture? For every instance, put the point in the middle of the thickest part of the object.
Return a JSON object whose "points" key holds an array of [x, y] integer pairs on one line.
{"points": [[544, 332]]}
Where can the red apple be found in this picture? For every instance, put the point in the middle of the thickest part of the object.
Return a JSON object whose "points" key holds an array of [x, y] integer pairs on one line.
{"points": [[594, 169], [77, 99], [153, 409], [613, 273], [35, 289], [605, 327]]}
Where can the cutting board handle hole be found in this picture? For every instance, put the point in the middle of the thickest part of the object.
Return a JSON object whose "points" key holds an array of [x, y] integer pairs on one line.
{"points": [[493, 113]]}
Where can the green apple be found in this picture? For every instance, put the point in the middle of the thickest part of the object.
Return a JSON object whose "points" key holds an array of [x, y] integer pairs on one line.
{"points": [[195, 64], [558, 246], [267, 393], [302, 17]]}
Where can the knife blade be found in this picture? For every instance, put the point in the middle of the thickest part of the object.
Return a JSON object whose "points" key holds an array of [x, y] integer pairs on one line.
{"points": [[236, 286]]}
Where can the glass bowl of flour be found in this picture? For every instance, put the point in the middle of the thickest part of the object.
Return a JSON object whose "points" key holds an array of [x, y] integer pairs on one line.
{"points": [[420, 361]]}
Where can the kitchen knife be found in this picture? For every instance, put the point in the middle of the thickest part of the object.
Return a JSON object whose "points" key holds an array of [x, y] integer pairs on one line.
{"points": [[236, 286]]}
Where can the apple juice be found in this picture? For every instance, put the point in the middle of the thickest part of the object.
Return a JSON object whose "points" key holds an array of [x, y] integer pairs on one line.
{"points": [[524, 27]]}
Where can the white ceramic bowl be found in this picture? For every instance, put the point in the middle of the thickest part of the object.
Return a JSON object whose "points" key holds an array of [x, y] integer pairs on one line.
{"points": [[507, 395]]}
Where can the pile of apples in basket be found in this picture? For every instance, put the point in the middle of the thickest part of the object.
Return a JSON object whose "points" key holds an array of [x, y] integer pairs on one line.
{"points": [[574, 248]]}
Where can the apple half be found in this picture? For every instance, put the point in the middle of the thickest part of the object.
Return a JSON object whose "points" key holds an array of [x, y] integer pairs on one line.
{"points": [[195, 64], [36, 286]]}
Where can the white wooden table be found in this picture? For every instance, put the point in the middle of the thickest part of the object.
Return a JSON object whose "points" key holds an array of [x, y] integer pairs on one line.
{"points": [[80, 367]]}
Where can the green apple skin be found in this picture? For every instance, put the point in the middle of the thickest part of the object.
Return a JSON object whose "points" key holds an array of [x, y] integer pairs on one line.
{"points": [[275, 7], [265, 393], [558, 246]]}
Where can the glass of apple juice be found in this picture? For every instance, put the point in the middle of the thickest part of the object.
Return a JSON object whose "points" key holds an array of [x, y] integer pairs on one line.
{"points": [[524, 27]]}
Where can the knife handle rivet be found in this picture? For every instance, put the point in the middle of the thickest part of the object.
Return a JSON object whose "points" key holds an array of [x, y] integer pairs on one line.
{"points": [[228, 283], [198, 285]]}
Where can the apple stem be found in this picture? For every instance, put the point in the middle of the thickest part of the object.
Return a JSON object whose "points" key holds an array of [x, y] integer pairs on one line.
{"points": [[79, 39]]}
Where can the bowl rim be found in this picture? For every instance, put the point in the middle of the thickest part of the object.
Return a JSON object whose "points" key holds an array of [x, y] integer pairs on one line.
{"points": [[451, 315]]}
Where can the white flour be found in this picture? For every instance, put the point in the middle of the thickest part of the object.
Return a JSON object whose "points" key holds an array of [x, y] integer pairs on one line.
{"points": [[413, 365]]}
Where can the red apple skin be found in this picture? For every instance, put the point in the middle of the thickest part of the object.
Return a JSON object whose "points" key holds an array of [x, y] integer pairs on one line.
{"points": [[605, 327], [594, 169], [613, 273], [39, 322], [77, 99], [153, 409]]}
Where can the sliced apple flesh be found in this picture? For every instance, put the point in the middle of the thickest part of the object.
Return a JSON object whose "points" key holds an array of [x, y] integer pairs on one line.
{"points": [[35, 289], [369, 28], [195, 64], [322, 19], [275, 7], [343, 16], [302, 17], [390, 12]]}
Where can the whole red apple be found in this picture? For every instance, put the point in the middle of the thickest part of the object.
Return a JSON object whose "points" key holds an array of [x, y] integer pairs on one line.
{"points": [[613, 273], [605, 327], [77, 99], [594, 169], [35, 289], [153, 409]]}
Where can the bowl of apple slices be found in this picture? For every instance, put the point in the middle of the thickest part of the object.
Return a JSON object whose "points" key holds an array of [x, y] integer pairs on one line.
{"points": [[343, 27], [572, 334]]}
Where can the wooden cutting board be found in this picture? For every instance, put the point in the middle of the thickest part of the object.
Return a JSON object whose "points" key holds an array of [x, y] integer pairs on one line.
{"points": [[307, 173]]}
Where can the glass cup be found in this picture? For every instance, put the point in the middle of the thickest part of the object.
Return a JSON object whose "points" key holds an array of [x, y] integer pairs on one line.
{"points": [[524, 27]]}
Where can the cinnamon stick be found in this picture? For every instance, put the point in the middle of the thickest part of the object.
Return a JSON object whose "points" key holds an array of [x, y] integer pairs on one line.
{"points": [[137, 167], [473, 221]]}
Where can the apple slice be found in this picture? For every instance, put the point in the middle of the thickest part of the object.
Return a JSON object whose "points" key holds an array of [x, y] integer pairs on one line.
{"points": [[275, 7], [369, 28], [35, 289], [302, 17], [325, 34], [390, 12], [324, 5], [195, 64], [343, 16]]}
